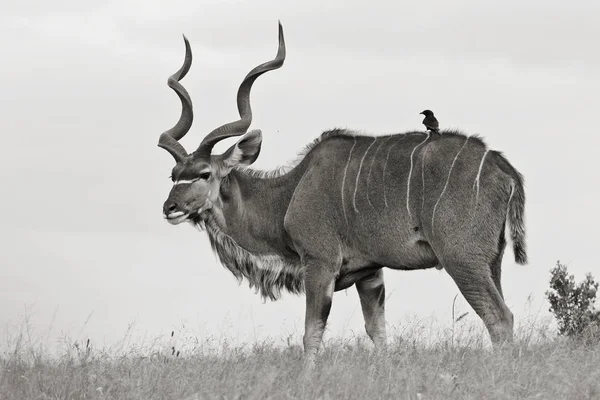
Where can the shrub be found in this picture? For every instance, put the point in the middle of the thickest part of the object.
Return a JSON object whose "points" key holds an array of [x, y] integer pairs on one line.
{"points": [[573, 305]]}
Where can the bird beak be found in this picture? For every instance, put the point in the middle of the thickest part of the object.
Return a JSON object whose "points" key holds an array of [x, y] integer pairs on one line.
{"points": [[421, 113]]}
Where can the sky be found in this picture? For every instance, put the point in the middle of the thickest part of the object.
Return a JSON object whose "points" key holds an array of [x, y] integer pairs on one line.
{"points": [[83, 100]]}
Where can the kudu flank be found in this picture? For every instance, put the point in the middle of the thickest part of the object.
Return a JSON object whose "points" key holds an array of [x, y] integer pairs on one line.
{"points": [[348, 207]]}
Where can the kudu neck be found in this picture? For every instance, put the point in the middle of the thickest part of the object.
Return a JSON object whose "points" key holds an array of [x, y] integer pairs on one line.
{"points": [[253, 208]]}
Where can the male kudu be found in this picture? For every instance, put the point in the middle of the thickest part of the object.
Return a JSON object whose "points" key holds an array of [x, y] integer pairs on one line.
{"points": [[351, 205]]}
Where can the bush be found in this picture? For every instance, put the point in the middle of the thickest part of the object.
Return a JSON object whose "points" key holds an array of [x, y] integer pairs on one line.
{"points": [[573, 305]]}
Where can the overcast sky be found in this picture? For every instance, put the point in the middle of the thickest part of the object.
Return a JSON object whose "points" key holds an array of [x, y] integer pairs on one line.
{"points": [[83, 100]]}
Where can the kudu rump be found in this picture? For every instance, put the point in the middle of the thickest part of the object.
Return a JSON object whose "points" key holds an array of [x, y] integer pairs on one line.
{"points": [[349, 206]]}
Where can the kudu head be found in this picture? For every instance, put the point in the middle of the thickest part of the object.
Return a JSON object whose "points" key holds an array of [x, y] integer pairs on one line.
{"points": [[197, 176]]}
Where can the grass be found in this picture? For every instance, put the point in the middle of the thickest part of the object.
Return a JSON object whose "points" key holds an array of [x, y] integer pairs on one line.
{"points": [[459, 365]]}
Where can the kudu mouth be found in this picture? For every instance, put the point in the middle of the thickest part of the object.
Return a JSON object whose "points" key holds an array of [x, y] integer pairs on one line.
{"points": [[177, 216], [174, 213]]}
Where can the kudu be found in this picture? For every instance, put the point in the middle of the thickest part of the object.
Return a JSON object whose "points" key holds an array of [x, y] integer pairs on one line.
{"points": [[351, 205]]}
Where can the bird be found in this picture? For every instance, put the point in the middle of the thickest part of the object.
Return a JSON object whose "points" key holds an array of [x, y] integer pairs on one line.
{"points": [[430, 122]]}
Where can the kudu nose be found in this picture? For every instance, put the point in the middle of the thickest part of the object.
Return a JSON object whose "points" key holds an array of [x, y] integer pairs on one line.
{"points": [[169, 207]]}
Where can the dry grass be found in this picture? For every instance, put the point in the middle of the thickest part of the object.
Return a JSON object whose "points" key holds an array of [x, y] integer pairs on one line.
{"points": [[463, 367]]}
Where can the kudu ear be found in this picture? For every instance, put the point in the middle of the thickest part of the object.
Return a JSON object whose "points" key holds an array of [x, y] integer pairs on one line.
{"points": [[244, 152]]}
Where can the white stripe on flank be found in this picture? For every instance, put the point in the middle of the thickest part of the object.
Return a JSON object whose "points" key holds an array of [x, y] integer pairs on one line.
{"points": [[423, 176], [385, 167], [340, 251], [476, 183], [410, 173], [371, 169], [512, 192], [446, 185], [358, 174], [344, 179]]}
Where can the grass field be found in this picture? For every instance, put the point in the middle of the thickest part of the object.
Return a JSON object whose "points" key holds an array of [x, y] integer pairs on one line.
{"points": [[457, 366]]}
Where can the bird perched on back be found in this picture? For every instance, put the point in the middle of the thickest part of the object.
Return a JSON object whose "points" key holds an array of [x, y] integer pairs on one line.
{"points": [[430, 122]]}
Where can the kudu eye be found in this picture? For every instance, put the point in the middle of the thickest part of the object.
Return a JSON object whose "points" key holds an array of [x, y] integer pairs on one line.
{"points": [[205, 176]]}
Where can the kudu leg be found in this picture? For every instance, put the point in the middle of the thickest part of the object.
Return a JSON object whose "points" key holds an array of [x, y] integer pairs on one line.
{"points": [[319, 281], [371, 291], [496, 264], [479, 289]]}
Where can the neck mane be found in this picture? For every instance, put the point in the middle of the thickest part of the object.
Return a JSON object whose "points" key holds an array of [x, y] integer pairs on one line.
{"points": [[268, 274], [285, 169]]}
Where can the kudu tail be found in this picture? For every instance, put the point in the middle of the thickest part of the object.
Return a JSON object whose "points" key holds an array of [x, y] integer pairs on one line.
{"points": [[516, 209], [516, 219]]}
